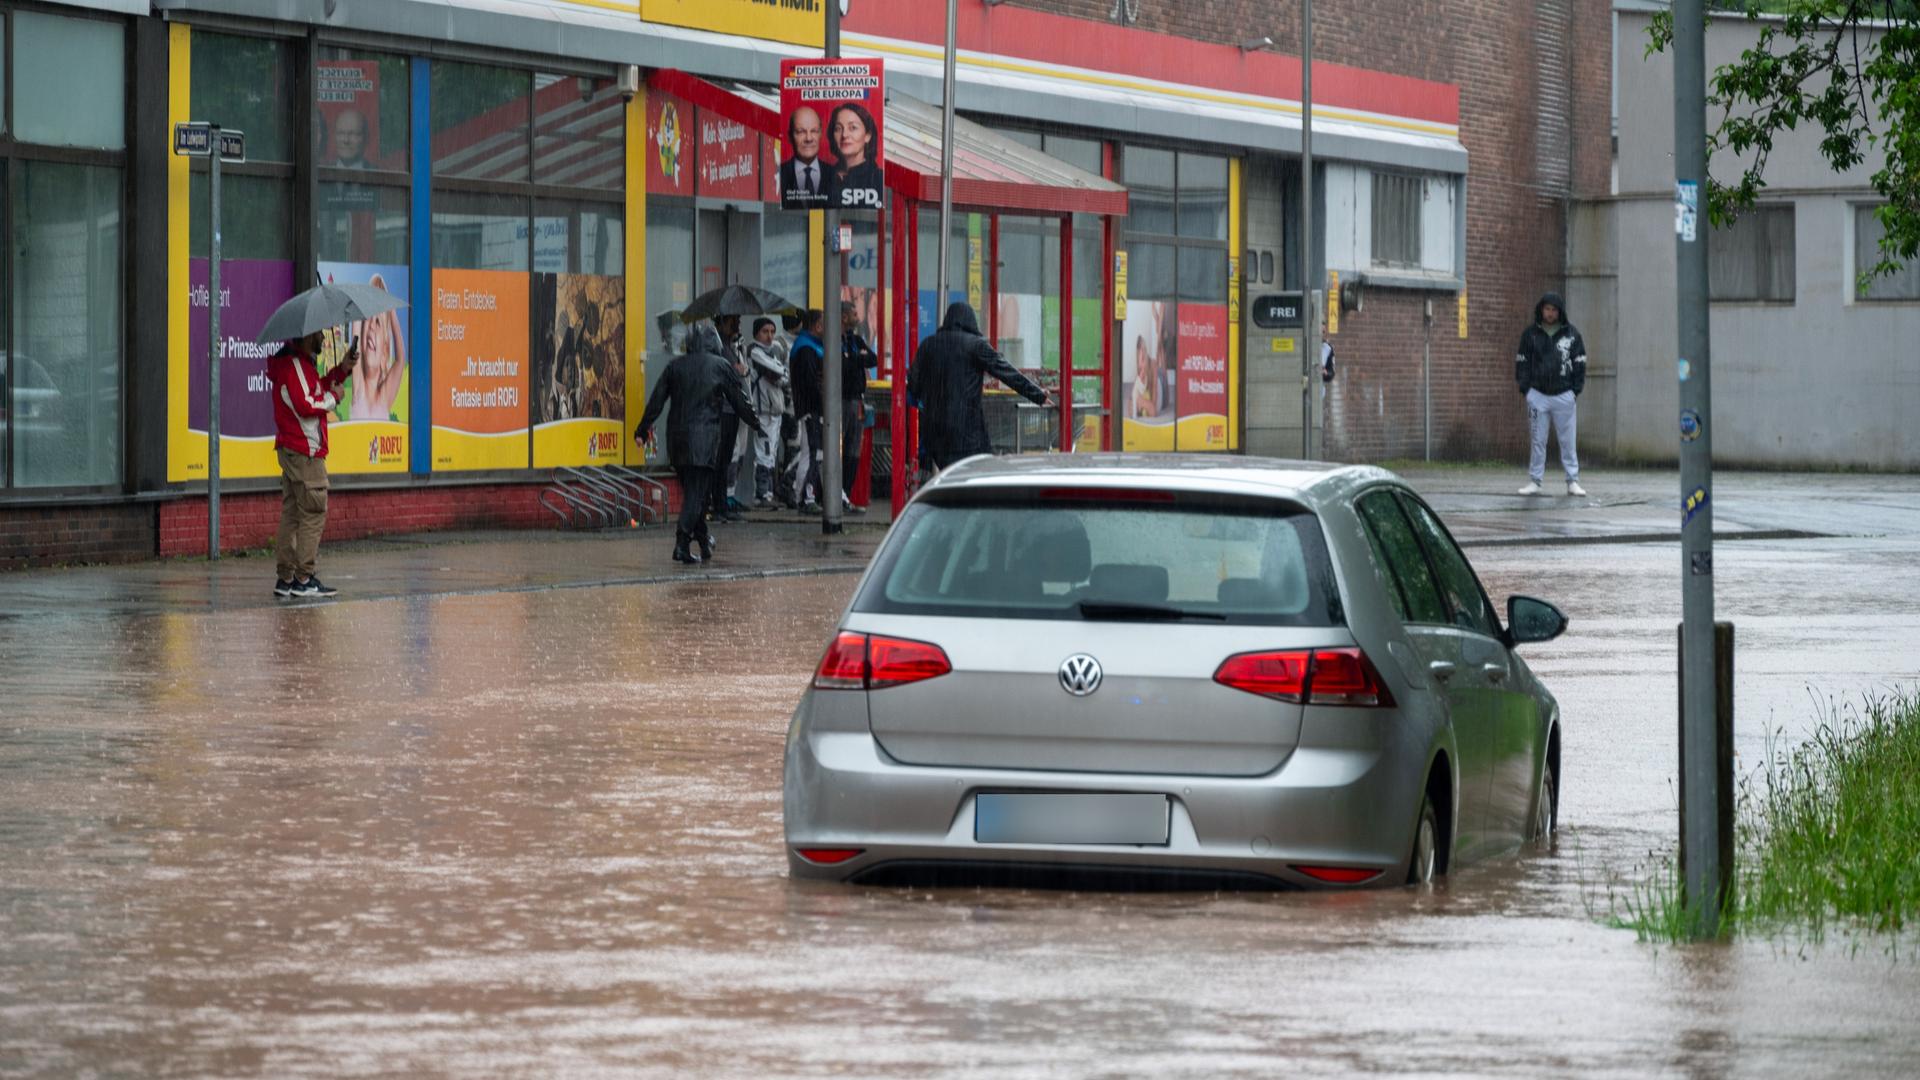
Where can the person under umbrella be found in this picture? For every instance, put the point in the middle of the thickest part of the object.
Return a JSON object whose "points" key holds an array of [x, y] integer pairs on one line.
{"points": [[302, 400], [700, 386]]}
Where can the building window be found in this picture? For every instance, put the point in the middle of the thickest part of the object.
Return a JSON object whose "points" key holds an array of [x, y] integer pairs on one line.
{"points": [[62, 183], [1752, 259], [1173, 338], [1902, 284], [1398, 202]]}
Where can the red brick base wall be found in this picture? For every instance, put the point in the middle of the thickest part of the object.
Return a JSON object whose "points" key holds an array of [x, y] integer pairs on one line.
{"points": [[251, 520], [57, 535]]}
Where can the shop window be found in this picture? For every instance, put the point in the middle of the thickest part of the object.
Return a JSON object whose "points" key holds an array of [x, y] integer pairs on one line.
{"points": [[1203, 275], [579, 132], [70, 81], [65, 423], [1150, 271], [480, 232], [481, 118], [578, 238], [1203, 197], [1150, 191], [246, 83], [1398, 202], [1904, 283], [362, 223], [1020, 315], [360, 110], [1082, 154], [1752, 259], [255, 212], [669, 281], [783, 254]]}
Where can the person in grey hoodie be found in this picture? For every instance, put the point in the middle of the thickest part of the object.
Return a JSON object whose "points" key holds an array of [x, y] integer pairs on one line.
{"points": [[1551, 370]]}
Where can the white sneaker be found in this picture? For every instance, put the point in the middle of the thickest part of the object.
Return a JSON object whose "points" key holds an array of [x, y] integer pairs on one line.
{"points": [[1574, 488], [1532, 488]]}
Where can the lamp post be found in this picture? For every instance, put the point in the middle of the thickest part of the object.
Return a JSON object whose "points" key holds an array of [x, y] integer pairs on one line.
{"points": [[1310, 325]]}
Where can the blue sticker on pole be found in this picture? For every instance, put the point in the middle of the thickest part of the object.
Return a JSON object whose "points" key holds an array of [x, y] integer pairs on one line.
{"points": [[1684, 369], [1686, 210], [1690, 425], [1696, 502]]}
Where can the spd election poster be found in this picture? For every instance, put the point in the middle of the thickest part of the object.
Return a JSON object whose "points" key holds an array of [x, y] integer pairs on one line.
{"points": [[833, 111]]}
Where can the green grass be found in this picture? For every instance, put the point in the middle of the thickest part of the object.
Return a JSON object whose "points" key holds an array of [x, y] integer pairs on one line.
{"points": [[1827, 836]]}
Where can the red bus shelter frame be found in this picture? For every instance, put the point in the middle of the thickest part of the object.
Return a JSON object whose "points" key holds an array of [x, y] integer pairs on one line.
{"points": [[899, 255]]}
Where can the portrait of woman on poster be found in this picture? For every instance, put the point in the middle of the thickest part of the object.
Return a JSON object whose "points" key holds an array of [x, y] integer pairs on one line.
{"points": [[383, 365], [1146, 380], [856, 145]]}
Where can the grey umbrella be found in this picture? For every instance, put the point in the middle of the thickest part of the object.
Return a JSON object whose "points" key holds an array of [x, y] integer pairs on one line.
{"points": [[735, 300], [325, 306]]}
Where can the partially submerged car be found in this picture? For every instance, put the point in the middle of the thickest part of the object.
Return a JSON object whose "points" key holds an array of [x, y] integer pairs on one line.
{"points": [[1277, 672]]}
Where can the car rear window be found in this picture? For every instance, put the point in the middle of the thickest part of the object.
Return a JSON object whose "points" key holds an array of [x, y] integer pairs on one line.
{"points": [[1026, 555]]}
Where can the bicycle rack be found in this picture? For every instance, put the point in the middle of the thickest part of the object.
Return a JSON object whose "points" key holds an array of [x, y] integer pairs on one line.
{"points": [[576, 509], [627, 500], [655, 491], [604, 497]]}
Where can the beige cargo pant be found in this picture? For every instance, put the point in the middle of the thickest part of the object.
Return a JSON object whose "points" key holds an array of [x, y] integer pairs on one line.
{"points": [[303, 514]]}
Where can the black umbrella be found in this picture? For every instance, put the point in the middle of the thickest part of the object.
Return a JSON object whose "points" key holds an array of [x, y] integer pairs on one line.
{"points": [[736, 300]]}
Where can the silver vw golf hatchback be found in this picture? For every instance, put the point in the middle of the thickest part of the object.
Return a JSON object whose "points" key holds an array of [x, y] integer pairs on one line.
{"points": [[1266, 671]]}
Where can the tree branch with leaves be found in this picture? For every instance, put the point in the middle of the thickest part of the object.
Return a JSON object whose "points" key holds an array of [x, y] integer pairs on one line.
{"points": [[1849, 67]]}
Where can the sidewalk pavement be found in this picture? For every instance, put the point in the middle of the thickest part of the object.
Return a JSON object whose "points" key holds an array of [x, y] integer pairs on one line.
{"points": [[1478, 504]]}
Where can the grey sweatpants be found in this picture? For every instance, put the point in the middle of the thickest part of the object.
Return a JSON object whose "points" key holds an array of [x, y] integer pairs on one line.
{"points": [[1560, 409]]}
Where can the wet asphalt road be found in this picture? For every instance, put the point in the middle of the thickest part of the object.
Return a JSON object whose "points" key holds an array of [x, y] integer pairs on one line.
{"points": [[509, 830]]}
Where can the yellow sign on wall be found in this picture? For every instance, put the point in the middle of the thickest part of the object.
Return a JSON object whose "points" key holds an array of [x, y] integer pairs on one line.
{"points": [[798, 22]]}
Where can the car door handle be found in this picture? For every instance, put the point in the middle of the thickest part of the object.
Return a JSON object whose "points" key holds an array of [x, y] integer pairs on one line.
{"points": [[1495, 672], [1441, 669]]}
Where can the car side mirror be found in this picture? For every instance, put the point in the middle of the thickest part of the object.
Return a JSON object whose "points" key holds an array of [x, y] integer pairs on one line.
{"points": [[1530, 620]]}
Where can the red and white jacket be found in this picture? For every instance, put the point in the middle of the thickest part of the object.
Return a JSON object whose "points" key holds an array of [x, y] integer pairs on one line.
{"points": [[302, 398]]}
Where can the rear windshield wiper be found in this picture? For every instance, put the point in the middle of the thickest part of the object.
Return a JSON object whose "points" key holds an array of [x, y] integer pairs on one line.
{"points": [[1122, 610]]}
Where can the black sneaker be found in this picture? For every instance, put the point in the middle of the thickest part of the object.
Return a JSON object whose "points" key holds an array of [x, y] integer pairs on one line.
{"points": [[313, 588], [282, 589]]}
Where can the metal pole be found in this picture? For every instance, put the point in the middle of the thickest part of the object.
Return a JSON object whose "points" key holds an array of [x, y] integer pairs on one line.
{"points": [[1703, 875], [946, 156], [830, 518], [213, 350], [1426, 378], [1311, 326]]}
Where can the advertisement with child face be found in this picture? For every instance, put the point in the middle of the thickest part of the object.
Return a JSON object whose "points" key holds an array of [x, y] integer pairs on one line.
{"points": [[369, 431], [833, 113]]}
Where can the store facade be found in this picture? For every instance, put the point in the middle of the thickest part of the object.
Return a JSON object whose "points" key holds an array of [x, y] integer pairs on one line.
{"points": [[520, 175]]}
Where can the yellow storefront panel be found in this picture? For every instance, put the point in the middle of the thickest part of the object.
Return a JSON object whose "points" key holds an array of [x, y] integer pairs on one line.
{"points": [[799, 22]]}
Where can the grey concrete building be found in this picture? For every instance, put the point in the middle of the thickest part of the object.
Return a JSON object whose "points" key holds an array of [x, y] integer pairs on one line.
{"points": [[1809, 371]]}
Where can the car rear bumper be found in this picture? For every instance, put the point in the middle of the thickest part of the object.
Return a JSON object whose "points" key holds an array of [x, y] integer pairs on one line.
{"points": [[1353, 806]]}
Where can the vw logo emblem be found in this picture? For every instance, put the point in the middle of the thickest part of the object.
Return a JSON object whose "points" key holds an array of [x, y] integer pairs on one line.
{"points": [[1080, 674]]}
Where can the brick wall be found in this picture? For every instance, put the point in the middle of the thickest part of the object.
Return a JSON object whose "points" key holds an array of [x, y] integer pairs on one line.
{"points": [[54, 536], [250, 520], [1517, 189]]}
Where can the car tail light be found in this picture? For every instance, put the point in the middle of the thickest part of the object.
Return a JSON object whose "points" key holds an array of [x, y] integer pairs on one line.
{"points": [[1281, 675], [1339, 875], [844, 667], [874, 662], [1312, 676], [1345, 677], [897, 661], [829, 856]]}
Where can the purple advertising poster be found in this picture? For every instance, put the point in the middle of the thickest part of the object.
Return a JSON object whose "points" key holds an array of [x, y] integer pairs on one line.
{"points": [[250, 291]]}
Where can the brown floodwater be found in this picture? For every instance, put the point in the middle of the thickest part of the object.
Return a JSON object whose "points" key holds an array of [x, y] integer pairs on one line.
{"points": [[538, 834]]}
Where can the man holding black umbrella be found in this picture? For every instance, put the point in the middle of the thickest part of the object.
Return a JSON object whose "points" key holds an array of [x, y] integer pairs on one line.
{"points": [[700, 386]]}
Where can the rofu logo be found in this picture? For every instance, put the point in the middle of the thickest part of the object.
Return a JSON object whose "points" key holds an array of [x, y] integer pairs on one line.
{"points": [[1080, 674]]}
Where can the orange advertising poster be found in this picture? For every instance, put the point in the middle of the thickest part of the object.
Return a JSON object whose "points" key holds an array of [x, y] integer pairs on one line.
{"points": [[480, 370]]}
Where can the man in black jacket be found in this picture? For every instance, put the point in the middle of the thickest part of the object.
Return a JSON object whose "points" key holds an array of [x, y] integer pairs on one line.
{"points": [[856, 356], [806, 362], [701, 386], [1551, 370], [946, 381]]}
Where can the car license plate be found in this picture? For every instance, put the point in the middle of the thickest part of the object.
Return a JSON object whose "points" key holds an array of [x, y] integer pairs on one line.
{"points": [[1070, 818]]}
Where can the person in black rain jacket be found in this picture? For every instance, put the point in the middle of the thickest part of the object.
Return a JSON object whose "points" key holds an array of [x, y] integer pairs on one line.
{"points": [[946, 380], [701, 387], [1550, 369]]}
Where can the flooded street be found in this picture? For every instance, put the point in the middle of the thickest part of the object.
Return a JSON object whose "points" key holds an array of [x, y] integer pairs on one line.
{"points": [[539, 833]]}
